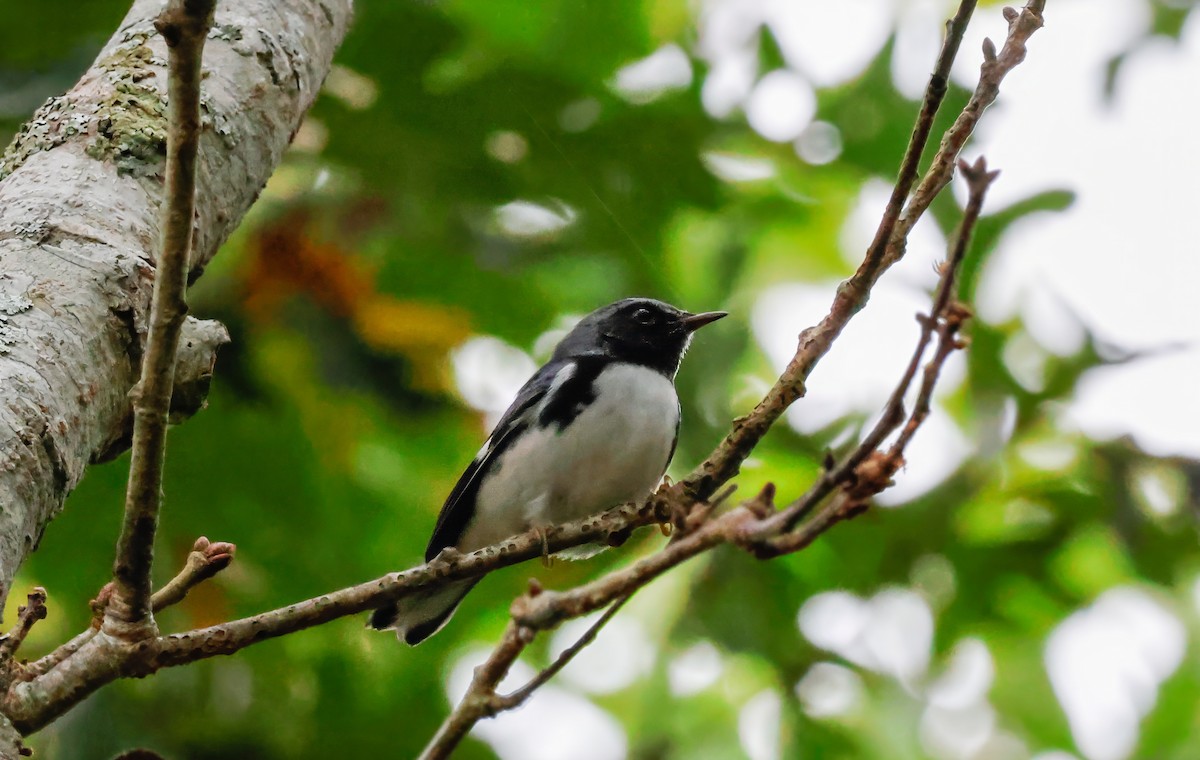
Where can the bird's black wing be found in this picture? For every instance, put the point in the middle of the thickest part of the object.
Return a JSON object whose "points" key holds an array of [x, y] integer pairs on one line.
{"points": [[460, 504]]}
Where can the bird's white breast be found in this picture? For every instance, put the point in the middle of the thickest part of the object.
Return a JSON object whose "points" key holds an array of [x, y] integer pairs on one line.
{"points": [[616, 450]]}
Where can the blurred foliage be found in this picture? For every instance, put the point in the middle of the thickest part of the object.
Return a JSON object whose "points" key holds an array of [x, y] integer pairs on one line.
{"points": [[335, 426]]}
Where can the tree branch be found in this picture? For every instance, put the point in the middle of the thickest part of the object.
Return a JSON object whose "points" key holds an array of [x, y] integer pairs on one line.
{"points": [[203, 562], [1021, 26], [482, 701], [946, 317], [518, 697], [726, 460], [227, 638], [93, 658], [853, 294], [478, 702], [184, 25], [80, 194]]}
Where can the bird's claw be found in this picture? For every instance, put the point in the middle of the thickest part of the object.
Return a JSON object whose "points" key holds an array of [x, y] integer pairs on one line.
{"points": [[543, 535]]}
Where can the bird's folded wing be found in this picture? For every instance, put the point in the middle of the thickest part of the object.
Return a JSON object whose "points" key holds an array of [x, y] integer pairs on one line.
{"points": [[460, 504]]}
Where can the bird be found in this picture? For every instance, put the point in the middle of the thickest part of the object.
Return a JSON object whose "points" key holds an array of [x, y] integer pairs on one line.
{"points": [[593, 428]]}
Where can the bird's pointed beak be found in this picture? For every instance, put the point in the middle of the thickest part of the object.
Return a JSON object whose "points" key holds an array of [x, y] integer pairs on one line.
{"points": [[693, 322]]}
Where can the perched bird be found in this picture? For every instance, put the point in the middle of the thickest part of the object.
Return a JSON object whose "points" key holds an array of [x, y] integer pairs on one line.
{"points": [[594, 428]]}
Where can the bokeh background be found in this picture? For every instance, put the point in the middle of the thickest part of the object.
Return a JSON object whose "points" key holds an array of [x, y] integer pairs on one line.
{"points": [[478, 171]]}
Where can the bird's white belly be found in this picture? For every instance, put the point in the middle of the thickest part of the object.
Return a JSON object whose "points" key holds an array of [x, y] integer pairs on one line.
{"points": [[615, 451]]}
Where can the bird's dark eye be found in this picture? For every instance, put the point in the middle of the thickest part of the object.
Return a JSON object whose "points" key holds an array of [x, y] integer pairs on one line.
{"points": [[643, 317]]}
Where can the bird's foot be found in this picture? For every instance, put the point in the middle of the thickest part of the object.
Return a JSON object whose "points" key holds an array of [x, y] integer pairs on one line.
{"points": [[543, 535]]}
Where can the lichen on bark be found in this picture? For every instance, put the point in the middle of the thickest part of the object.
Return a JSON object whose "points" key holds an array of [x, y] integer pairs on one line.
{"points": [[44, 131], [131, 121], [125, 123]]}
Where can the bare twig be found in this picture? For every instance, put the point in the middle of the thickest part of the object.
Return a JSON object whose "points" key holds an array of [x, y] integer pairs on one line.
{"points": [[948, 314], [867, 470], [1021, 26], [726, 460], [482, 701], [226, 638], [32, 611], [945, 312], [549, 608], [852, 295], [477, 703], [45, 664], [518, 697], [935, 92], [184, 26], [205, 560], [59, 680]]}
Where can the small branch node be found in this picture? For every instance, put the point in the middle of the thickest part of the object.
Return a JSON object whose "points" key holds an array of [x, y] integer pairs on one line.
{"points": [[100, 604], [446, 559], [206, 559], [977, 175], [956, 314], [873, 475], [989, 50], [762, 506]]}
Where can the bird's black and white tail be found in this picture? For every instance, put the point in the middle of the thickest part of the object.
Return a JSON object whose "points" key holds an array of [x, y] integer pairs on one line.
{"points": [[417, 617]]}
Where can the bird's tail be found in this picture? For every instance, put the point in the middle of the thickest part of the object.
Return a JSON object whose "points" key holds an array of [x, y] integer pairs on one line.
{"points": [[417, 617]]}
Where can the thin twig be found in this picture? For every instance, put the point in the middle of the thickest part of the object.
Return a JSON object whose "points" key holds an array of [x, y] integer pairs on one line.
{"points": [[726, 460], [978, 179], [477, 703], [518, 697], [935, 92], [47, 663], [184, 26], [867, 470], [205, 560], [550, 608], [995, 67], [948, 313], [482, 701], [54, 681], [28, 614], [852, 295]]}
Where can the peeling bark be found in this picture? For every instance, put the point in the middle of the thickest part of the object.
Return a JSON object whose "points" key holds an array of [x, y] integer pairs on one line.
{"points": [[80, 189]]}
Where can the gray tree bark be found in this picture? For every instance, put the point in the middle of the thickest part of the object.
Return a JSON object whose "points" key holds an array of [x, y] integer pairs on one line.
{"points": [[80, 188]]}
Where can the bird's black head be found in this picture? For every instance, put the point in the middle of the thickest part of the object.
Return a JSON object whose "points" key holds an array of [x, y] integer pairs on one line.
{"points": [[636, 330]]}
